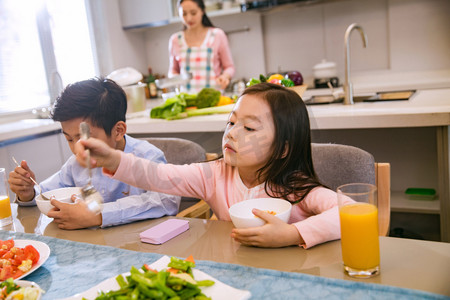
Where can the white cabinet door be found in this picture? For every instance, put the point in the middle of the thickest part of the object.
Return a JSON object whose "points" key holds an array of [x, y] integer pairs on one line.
{"points": [[44, 155], [144, 13]]}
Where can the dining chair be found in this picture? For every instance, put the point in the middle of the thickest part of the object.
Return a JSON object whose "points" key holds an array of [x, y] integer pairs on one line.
{"points": [[337, 164], [180, 151]]}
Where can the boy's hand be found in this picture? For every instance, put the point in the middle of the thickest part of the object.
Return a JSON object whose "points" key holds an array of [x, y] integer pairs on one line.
{"points": [[275, 233], [102, 155], [73, 215], [20, 182]]}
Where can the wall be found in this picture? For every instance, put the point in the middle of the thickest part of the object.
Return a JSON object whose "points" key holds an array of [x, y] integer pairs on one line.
{"points": [[247, 47], [404, 35]]}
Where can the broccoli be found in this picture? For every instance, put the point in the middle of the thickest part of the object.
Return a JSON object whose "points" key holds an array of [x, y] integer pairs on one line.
{"points": [[207, 97]]}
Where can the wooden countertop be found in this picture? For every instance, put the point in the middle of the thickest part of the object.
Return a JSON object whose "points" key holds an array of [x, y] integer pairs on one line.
{"points": [[407, 263]]}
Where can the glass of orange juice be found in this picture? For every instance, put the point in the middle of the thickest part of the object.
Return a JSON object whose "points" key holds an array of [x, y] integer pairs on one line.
{"points": [[5, 205], [359, 229]]}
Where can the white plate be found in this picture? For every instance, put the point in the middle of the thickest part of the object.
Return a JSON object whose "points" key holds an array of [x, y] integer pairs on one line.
{"points": [[218, 291], [42, 248], [26, 283]]}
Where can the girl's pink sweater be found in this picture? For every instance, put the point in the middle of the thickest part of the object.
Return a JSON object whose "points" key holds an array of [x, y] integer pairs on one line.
{"points": [[316, 217]]}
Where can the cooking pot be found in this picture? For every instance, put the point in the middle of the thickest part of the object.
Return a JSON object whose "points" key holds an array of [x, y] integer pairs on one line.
{"points": [[136, 100], [325, 72], [128, 78]]}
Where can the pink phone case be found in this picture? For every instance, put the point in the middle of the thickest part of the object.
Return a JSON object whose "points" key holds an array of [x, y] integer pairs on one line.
{"points": [[164, 231]]}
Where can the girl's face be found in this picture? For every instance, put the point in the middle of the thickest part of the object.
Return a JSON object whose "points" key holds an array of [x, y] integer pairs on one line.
{"points": [[250, 132], [190, 13]]}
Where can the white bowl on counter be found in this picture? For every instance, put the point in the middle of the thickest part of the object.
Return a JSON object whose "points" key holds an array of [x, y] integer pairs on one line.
{"points": [[242, 216]]}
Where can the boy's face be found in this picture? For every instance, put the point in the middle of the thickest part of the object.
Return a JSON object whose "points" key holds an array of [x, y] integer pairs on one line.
{"points": [[71, 130]]}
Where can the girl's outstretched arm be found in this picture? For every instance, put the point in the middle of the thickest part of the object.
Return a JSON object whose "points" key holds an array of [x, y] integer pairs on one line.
{"points": [[101, 154], [275, 233]]}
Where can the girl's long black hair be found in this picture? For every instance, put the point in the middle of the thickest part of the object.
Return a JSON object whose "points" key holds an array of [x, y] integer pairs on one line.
{"points": [[289, 173], [205, 20]]}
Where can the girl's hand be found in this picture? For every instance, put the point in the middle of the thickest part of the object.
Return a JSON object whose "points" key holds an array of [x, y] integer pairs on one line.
{"points": [[275, 233], [101, 154], [223, 80]]}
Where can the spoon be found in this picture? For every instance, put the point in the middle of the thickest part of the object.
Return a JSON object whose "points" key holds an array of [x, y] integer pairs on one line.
{"points": [[90, 195], [34, 181]]}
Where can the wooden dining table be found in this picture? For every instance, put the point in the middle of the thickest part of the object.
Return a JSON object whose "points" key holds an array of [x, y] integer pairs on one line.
{"points": [[406, 263]]}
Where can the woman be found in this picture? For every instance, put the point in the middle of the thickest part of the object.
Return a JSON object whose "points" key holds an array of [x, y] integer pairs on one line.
{"points": [[200, 49]]}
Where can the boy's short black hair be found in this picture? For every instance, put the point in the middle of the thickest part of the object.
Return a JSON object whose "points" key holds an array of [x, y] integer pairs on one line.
{"points": [[99, 100]]}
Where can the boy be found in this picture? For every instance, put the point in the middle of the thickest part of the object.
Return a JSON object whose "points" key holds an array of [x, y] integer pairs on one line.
{"points": [[102, 104]]}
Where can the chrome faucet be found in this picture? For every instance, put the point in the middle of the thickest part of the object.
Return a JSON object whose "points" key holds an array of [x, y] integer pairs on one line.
{"points": [[348, 87]]}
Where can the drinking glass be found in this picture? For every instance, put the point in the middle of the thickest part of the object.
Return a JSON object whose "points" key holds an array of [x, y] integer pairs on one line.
{"points": [[359, 229], [5, 205]]}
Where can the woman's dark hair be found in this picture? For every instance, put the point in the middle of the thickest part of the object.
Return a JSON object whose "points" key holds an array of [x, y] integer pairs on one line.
{"points": [[205, 20], [99, 100], [290, 169]]}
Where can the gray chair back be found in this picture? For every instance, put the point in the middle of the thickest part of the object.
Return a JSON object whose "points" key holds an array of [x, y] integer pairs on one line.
{"points": [[336, 165], [179, 151]]}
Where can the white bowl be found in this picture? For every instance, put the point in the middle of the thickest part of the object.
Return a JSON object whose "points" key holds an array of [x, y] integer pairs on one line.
{"points": [[242, 216], [62, 195], [26, 283]]}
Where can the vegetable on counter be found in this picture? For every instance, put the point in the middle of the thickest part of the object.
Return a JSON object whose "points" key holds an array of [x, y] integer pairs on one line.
{"points": [[207, 101], [275, 79], [207, 97]]}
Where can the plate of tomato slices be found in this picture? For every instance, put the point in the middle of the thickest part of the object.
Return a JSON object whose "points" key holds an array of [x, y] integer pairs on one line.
{"points": [[19, 258]]}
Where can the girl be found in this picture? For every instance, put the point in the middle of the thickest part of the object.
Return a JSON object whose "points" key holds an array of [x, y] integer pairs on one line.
{"points": [[266, 153], [200, 49]]}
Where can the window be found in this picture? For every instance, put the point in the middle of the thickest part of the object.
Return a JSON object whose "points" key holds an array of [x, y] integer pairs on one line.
{"points": [[44, 45]]}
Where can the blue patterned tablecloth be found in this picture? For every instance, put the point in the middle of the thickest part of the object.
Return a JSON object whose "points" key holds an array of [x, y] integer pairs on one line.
{"points": [[75, 267]]}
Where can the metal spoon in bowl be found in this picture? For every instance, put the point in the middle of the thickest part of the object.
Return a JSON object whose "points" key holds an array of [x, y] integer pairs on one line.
{"points": [[90, 195], [34, 181]]}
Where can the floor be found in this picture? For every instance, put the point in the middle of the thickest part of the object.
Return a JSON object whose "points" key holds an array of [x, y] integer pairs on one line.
{"points": [[415, 226]]}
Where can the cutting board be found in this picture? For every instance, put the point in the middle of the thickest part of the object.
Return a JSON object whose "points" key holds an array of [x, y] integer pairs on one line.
{"points": [[299, 89]]}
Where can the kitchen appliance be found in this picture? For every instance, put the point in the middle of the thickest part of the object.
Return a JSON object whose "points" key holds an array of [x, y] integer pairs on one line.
{"points": [[325, 72], [267, 4]]}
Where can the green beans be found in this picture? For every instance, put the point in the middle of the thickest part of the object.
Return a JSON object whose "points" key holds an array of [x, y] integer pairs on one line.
{"points": [[150, 284]]}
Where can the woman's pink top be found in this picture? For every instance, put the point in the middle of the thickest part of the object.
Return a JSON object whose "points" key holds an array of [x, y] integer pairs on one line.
{"points": [[316, 217], [222, 62]]}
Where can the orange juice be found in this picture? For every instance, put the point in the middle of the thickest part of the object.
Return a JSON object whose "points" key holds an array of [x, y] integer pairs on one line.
{"points": [[359, 236], [5, 207]]}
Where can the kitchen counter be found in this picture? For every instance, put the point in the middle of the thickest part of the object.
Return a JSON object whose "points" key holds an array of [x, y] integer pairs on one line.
{"points": [[428, 107], [425, 108]]}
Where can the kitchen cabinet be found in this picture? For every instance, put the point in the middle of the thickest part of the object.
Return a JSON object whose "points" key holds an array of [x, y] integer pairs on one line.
{"points": [[139, 14], [144, 13]]}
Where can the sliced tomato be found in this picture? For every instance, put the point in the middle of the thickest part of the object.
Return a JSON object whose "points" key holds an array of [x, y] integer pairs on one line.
{"points": [[6, 272], [31, 253], [8, 243], [8, 255]]}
